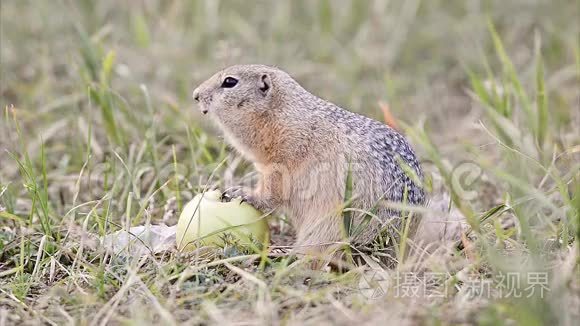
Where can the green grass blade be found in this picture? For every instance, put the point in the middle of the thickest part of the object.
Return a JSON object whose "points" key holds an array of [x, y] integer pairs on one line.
{"points": [[541, 103], [347, 214]]}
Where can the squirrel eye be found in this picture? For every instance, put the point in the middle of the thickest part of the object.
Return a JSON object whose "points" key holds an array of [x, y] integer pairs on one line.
{"points": [[229, 82]]}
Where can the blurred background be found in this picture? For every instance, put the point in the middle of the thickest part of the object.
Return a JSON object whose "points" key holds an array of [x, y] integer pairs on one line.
{"points": [[413, 54]]}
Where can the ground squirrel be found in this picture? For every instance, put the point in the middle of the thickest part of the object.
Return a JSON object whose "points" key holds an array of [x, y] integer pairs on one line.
{"points": [[304, 148]]}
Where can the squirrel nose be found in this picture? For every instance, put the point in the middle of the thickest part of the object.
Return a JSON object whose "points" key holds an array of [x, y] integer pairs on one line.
{"points": [[196, 94], [196, 98]]}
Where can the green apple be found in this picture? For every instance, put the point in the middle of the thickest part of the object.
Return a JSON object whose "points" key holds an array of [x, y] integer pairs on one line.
{"points": [[205, 219]]}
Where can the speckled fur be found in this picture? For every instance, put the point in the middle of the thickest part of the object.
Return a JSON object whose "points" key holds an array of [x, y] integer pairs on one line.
{"points": [[302, 146]]}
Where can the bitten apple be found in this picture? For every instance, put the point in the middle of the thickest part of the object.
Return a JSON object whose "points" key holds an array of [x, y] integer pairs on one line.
{"points": [[205, 219]]}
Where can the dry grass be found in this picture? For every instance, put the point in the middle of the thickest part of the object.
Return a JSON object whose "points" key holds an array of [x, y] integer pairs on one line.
{"points": [[99, 132]]}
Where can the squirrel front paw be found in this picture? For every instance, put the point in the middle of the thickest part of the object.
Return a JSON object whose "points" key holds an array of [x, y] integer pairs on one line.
{"points": [[260, 203], [231, 193], [235, 192]]}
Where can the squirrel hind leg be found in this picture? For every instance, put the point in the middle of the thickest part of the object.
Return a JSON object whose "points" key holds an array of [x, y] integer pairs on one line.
{"points": [[321, 243]]}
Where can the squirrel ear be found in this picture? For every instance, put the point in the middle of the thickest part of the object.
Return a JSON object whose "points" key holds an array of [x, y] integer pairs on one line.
{"points": [[265, 84]]}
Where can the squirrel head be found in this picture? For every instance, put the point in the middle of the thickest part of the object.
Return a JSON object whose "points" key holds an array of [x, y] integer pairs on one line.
{"points": [[238, 92], [252, 105]]}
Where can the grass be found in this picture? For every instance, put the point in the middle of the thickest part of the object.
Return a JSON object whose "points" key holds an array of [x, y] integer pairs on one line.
{"points": [[99, 133]]}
